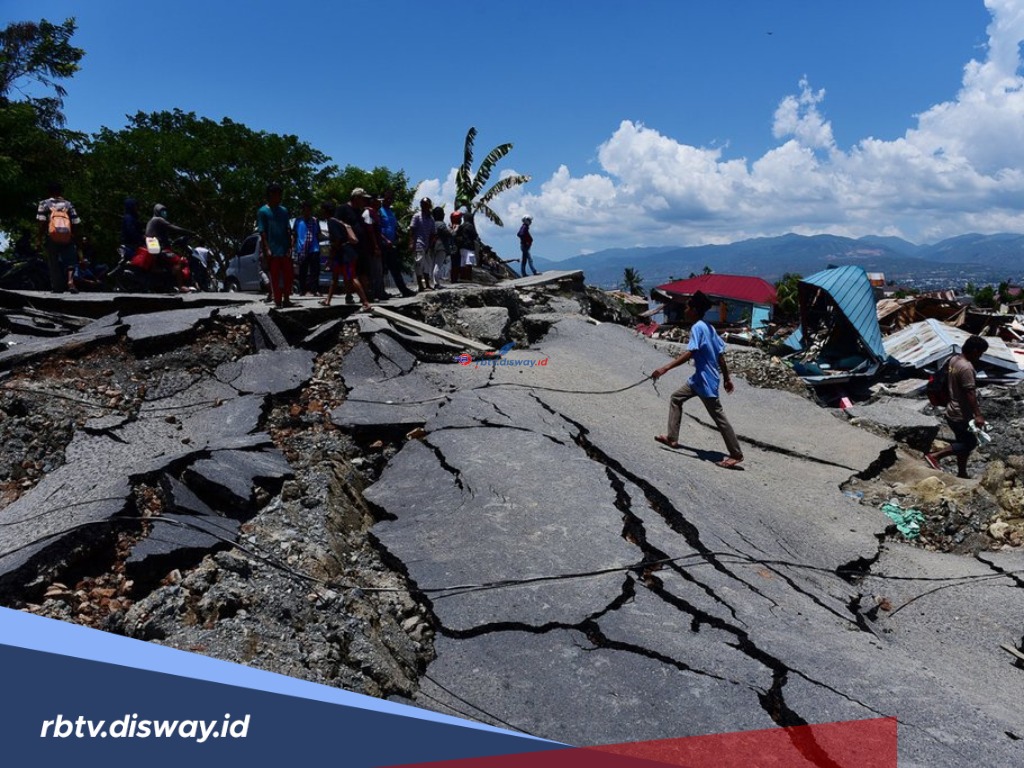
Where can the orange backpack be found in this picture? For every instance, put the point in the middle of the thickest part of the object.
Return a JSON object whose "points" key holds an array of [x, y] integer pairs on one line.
{"points": [[59, 229]]}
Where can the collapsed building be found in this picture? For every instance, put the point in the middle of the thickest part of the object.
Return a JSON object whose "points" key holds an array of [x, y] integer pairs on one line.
{"points": [[838, 338]]}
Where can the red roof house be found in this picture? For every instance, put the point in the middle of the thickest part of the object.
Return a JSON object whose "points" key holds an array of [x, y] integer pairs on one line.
{"points": [[746, 299]]}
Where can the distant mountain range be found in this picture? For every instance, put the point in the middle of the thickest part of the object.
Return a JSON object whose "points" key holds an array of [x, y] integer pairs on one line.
{"points": [[952, 263]]}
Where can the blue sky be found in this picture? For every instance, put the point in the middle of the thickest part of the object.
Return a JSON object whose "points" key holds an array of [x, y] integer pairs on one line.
{"points": [[658, 122]]}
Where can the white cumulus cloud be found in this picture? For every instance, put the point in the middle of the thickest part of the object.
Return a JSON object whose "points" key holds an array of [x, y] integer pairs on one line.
{"points": [[956, 169]]}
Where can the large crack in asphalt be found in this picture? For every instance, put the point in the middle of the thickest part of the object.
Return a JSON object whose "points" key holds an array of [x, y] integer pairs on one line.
{"points": [[886, 458], [771, 699]]}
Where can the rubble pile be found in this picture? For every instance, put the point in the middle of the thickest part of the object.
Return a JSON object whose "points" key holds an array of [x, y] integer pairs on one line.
{"points": [[762, 369], [961, 516]]}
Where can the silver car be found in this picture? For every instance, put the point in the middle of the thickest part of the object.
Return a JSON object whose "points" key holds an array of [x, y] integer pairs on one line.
{"points": [[243, 271]]}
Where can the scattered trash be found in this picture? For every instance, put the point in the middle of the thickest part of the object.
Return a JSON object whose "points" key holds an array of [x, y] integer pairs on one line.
{"points": [[908, 521], [855, 495]]}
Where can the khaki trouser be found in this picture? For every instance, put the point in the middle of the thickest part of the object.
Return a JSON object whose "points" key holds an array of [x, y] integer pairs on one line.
{"points": [[714, 406]]}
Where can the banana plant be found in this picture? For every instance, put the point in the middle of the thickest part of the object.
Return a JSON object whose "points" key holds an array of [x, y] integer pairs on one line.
{"points": [[470, 185]]}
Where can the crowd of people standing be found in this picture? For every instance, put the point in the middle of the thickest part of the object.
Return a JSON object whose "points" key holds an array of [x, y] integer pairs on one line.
{"points": [[363, 233]]}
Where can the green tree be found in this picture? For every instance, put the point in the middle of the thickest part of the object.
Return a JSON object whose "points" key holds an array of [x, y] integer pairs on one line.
{"points": [[469, 185], [707, 270], [211, 176], [35, 148], [1003, 293], [378, 181], [41, 53], [633, 282], [787, 300], [985, 297], [339, 186]]}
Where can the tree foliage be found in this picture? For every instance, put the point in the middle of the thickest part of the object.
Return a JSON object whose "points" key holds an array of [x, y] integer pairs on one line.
{"points": [[339, 186], [985, 297], [39, 52], [633, 282], [211, 176], [787, 300], [469, 185], [35, 149]]}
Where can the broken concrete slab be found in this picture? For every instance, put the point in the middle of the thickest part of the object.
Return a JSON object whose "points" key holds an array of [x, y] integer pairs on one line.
{"points": [[447, 502], [396, 403], [324, 336], [630, 694], [488, 324], [895, 419], [188, 530], [545, 278], [212, 419], [151, 331], [64, 512], [375, 360], [228, 478], [269, 373], [33, 348], [178, 541], [461, 341], [266, 333]]}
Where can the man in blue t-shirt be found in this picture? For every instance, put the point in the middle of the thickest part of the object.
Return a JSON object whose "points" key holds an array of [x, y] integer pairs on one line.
{"points": [[706, 350]]}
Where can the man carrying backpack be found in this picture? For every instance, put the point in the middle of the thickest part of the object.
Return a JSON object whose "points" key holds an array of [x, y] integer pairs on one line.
{"points": [[58, 231], [962, 405]]}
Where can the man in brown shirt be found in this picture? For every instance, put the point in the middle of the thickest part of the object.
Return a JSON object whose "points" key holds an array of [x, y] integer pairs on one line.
{"points": [[962, 407]]}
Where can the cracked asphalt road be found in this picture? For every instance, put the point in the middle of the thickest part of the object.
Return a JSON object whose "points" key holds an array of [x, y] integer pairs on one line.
{"points": [[591, 586]]}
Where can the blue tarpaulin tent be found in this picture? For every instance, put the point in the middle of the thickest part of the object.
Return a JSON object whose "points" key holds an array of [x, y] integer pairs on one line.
{"points": [[838, 324]]}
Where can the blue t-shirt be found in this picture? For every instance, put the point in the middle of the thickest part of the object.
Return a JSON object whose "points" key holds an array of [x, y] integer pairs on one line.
{"points": [[388, 224], [706, 345], [274, 222]]}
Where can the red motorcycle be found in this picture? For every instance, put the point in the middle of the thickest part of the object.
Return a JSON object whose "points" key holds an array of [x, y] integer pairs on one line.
{"points": [[148, 272]]}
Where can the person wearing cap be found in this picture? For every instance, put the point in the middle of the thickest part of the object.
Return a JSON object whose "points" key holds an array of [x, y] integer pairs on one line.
{"points": [[343, 257], [421, 240], [351, 213], [706, 349], [525, 241]]}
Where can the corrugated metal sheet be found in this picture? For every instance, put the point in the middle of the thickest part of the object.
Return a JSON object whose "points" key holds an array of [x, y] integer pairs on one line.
{"points": [[929, 342], [851, 290]]}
